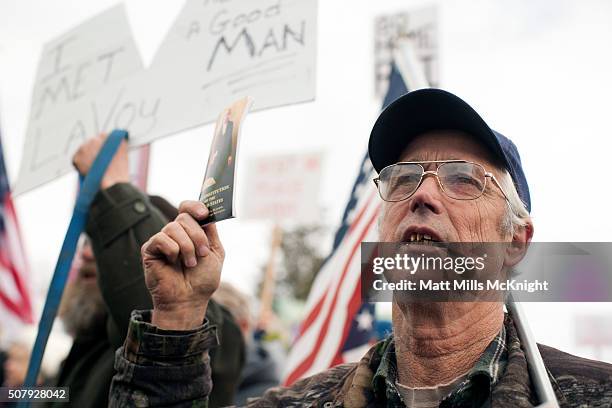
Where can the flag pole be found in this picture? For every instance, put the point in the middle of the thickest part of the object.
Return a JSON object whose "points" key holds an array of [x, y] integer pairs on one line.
{"points": [[535, 364], [269, 282]]}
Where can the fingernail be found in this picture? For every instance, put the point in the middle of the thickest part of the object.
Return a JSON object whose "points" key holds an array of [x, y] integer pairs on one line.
{"points": [[203, 250], [202, 211], [191, 262]]}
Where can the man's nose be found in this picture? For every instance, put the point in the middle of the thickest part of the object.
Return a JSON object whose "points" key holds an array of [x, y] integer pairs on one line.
{"points": [[428, 196]]}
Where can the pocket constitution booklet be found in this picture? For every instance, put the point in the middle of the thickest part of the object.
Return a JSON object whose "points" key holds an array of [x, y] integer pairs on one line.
{"points": [[218, 189]]}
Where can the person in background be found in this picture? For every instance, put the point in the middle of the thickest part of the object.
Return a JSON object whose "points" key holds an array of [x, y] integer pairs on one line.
{"points": [[3, 357], [110, 284], [260, 371], [16, 364], [14, 368]]}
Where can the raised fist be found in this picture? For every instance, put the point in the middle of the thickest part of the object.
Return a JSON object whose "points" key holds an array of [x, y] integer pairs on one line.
{"points": [[182, 265]]}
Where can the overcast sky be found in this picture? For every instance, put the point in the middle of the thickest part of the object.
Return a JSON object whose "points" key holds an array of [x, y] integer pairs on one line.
{"points": [[539, 72]]}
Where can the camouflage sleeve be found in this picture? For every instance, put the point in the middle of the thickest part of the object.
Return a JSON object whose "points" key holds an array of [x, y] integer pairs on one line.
{"points": [[156, 367]]}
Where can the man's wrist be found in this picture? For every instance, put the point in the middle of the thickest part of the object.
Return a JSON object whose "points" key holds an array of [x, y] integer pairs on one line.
{"points": [[108, 183], [183, 318]]}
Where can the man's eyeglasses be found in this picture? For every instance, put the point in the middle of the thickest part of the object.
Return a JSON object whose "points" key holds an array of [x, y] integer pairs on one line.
{"points": [[458, 179]]}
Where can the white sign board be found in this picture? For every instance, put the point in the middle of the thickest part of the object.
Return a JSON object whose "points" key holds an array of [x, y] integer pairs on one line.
{"points": [[421, 27], [216, 52], [72, 70], [283, 188]]}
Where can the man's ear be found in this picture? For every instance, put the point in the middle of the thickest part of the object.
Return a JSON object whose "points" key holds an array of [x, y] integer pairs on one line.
{"points": [[517, 249]]}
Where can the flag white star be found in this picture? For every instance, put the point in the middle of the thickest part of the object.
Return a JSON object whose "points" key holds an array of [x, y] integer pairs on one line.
{"points": [[364, 320]]}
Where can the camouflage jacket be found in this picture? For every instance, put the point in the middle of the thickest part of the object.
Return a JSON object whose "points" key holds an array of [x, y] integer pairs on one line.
{"points": [[171, 369]]}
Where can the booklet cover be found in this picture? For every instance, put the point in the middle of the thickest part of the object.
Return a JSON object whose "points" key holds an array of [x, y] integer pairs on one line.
{"points": [[218, 185]]}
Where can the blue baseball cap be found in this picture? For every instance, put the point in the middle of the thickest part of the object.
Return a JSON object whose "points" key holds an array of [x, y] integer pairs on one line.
{"points": [[430, 109]]}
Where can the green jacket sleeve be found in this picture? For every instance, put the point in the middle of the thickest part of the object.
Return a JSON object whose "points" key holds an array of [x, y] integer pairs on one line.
{"points": [[121, 220]]}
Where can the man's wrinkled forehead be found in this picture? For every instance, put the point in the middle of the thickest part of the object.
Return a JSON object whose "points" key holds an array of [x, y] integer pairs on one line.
{"points": [[448, 145]]}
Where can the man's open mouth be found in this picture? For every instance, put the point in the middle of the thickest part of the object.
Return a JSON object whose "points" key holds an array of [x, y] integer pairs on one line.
{"points": [[423, 236], [87, 272], [425, 239]]}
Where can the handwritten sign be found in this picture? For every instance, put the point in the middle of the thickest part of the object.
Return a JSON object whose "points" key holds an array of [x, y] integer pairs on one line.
{"points": [[283, 188], [72, 70], [229, 48], [421, 27], [215, 52]]}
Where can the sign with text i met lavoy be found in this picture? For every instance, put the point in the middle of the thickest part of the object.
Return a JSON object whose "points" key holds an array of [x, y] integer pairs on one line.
{"points": [[91, 79]]}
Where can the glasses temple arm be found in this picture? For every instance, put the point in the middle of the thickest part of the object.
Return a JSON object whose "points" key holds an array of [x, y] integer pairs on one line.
{"points": [[492, 177]]}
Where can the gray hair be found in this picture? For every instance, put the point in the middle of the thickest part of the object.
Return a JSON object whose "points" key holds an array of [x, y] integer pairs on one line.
{"points": [[516, 213]]}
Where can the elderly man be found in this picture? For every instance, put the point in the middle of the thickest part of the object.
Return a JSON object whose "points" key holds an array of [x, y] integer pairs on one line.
{"points": [[444, 175]]}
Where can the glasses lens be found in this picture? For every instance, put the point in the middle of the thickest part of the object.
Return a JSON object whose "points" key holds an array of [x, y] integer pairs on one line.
{"points": [[399, 181], [462, 181]]}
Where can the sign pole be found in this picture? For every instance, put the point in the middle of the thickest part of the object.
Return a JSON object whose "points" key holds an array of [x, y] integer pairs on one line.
{"points": [[269, 283]]}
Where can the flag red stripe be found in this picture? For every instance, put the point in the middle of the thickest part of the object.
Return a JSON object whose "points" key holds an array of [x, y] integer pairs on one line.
{"points": [[14, 308], [303, 367], [353, 307], [314, 312], [361, 213], [23, 307], [311, 316]]}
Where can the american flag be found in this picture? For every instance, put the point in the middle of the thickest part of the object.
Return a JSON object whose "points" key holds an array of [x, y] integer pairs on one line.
{"points": [[14, 295], [361, 335], [333, 330]]}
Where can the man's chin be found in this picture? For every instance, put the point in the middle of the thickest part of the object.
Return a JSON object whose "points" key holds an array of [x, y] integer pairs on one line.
{"points": [[82, 306]]}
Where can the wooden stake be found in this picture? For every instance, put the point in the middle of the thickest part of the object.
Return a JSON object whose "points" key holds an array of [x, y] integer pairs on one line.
{"points": [[269, 283]]}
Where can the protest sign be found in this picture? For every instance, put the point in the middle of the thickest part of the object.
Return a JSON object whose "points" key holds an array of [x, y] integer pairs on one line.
{"points": [[283, 187], [73, 68], [217, 51], [421, 28], [91, 79]]}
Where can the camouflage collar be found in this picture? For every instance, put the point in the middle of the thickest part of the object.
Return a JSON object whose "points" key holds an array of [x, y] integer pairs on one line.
{"points": [[476, 388]]}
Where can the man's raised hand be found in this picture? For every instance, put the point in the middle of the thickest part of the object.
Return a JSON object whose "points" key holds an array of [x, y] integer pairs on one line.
{"points": [[182, 265], [118, 169]]}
